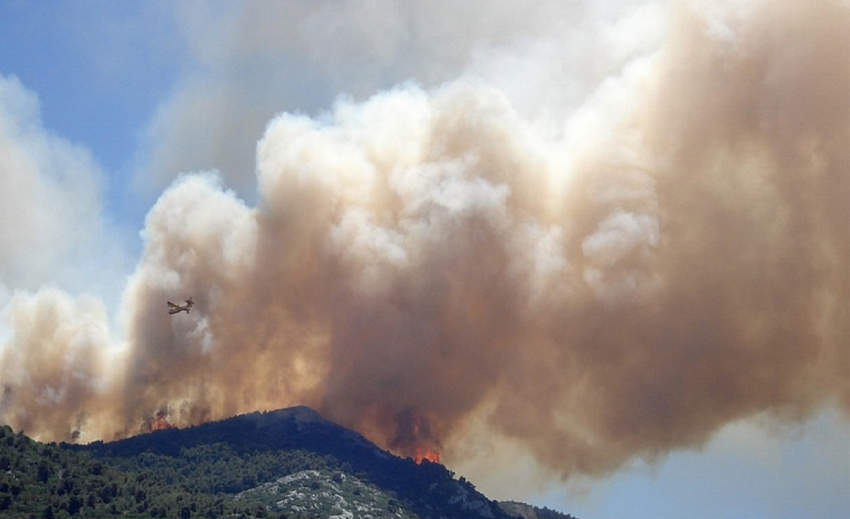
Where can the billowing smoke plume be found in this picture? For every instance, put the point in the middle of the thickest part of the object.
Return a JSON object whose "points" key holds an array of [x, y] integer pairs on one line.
{"points": [[672, 258]]}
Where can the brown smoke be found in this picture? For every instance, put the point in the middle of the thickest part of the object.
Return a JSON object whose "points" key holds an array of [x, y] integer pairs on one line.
{"points": [[673, 260]]}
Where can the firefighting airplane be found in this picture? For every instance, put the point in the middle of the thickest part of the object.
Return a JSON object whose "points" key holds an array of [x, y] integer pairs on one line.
{"points": [[176, 309]]}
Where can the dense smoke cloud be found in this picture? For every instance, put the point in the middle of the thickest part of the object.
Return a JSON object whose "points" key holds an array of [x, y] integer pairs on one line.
{"points": [[247, 61], [673, 258], [54, 348]]}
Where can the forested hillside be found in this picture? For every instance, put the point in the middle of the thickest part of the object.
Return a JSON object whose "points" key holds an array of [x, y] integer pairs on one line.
{"points": [[282, 464], [258, 445], [47, 481]]}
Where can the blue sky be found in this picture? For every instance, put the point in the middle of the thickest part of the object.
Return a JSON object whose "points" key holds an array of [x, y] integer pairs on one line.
{"points": [[133, 94], [83, 62]]}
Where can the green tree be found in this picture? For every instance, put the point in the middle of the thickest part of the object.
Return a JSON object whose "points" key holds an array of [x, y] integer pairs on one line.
{"points": [[43, 472]]}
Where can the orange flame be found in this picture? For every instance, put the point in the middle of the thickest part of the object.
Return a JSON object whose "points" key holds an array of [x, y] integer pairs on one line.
{"points": [[421, 450], [426, 454], [159, 423]]}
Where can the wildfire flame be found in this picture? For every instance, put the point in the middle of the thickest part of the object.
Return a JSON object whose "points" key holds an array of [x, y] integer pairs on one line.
{"points": [[160, 423], [426, 454], [413, 438]]}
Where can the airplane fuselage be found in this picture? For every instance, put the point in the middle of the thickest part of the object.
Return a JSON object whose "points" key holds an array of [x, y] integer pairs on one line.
{"points": [[176, 309]]}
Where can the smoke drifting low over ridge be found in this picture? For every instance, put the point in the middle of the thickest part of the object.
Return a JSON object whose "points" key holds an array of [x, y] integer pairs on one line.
{"points": [[672, 259]]}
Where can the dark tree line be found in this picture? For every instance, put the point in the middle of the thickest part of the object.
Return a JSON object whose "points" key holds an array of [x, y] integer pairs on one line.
{"points": [[47, 481]]}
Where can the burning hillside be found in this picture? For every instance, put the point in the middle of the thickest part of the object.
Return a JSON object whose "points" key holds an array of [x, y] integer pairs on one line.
{"points": [[669, 258]]}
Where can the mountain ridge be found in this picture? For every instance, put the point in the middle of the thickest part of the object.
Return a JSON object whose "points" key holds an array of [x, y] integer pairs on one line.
{"points": [[286, 463], [301, 428]]}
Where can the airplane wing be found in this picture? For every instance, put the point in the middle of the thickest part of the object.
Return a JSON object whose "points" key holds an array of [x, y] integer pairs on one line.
{"points": [[171, 305]]}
